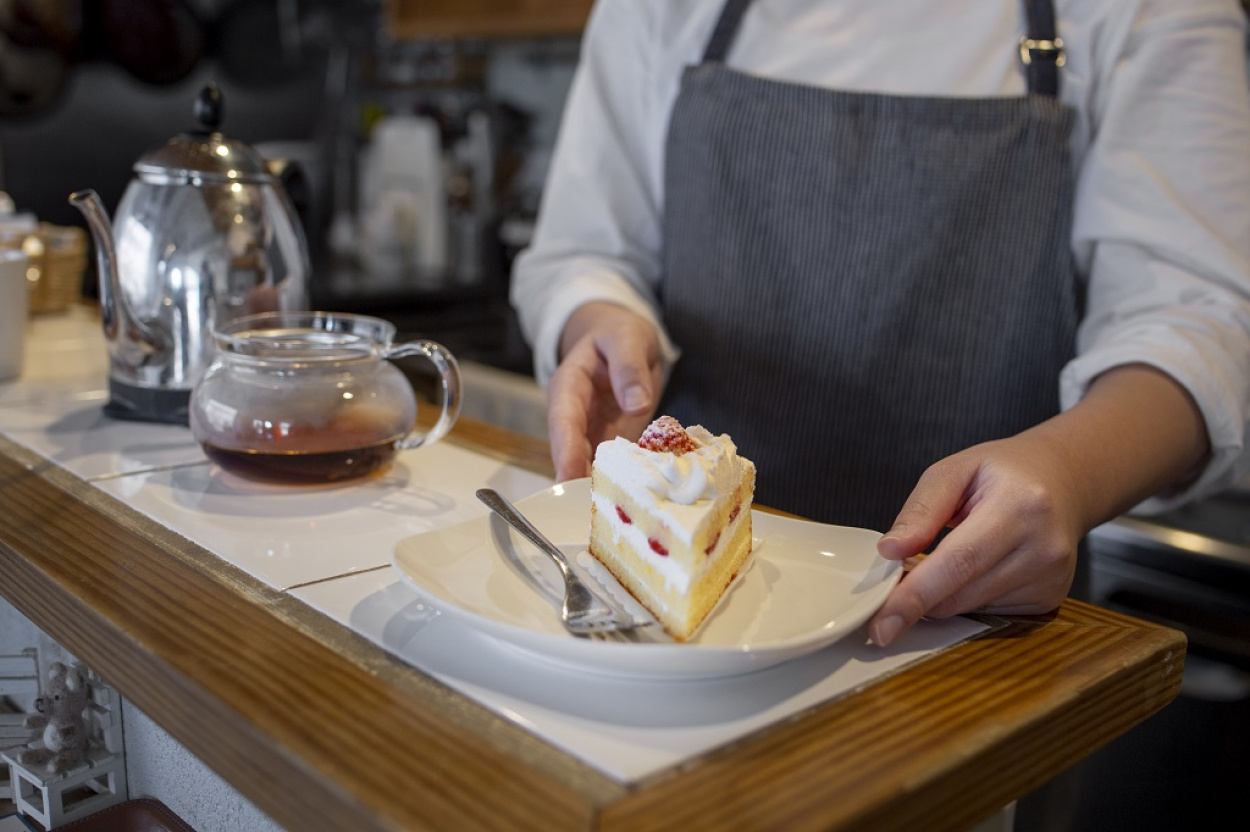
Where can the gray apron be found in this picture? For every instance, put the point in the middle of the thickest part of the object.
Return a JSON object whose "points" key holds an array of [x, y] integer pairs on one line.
{"points": [[863, 284]]}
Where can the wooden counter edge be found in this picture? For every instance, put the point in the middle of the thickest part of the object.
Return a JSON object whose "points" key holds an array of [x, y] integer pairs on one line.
{"points": [[833, 767], [319, 727], [841, 765]]}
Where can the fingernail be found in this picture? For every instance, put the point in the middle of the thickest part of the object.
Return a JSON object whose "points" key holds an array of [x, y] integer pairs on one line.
{"points": [[886, 630], [889, 543], [635, 397]]}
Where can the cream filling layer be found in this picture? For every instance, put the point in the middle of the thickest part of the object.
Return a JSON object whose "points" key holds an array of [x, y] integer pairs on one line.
{"points": [[675, 576]]}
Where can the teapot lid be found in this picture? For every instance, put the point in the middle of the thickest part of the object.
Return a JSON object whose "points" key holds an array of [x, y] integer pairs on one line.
{"points": [[204, 155]]}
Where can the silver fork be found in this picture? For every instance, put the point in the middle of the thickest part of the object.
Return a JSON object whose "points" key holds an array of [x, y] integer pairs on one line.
{"points": [[584, 613]]}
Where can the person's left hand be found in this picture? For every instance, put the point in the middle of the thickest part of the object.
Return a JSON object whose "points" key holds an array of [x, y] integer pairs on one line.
{"points": [[1017, 508], [1011, 548]]}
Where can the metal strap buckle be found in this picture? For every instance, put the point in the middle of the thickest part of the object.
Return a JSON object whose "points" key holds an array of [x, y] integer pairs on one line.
{"points": [[1029, 46]]}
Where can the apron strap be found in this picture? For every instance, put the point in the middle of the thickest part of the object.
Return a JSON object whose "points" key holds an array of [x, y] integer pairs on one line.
{"points": [[726, 28], [1041, 50]]}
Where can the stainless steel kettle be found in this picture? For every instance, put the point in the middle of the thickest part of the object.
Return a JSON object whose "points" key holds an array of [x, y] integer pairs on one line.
{"points": [[203, 234]]}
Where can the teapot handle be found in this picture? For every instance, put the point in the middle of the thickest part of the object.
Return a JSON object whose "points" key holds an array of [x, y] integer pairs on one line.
{"points": [[449, 378]]}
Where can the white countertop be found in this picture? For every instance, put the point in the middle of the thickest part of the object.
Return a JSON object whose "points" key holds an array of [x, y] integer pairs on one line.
{"points": [[331, 547]]}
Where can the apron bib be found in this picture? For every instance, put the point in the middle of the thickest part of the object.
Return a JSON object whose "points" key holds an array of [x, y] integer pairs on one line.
{"points": [[863, 284]]}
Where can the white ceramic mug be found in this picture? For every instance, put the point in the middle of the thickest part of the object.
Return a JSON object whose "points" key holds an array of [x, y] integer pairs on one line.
{"points": [[14, 307]]}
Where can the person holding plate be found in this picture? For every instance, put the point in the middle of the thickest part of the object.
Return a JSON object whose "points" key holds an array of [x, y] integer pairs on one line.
{"points": [[969, 272]]}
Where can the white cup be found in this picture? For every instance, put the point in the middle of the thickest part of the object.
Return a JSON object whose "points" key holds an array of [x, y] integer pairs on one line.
{"points": [[14, 307]]}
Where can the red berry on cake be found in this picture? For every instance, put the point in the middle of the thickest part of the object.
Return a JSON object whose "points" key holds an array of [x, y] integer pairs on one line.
{"points": [[666, 434]]}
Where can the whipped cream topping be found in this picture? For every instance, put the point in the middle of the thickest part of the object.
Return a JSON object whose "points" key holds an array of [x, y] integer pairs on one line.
{"points": [[682, 487]]}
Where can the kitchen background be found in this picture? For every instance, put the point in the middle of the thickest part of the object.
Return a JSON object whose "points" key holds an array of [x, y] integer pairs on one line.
{"points": [[414, 138], [415, 162]]}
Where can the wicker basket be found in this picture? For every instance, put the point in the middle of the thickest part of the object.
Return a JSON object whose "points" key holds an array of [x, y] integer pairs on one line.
{"points": [[58, 260]]}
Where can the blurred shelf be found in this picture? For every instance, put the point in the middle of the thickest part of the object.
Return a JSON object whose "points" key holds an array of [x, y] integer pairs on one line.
{"points": [[413, 19], [474, 321]]}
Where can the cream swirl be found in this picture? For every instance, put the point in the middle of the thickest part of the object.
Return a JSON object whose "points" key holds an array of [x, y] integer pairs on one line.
{"points": [[685, 478]]}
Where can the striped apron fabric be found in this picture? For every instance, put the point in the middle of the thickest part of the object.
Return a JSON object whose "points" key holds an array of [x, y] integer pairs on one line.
{"points": [[862, 284]]}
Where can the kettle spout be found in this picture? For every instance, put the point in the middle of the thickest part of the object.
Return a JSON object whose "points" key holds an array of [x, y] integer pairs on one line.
{"points": [[131, 340]]}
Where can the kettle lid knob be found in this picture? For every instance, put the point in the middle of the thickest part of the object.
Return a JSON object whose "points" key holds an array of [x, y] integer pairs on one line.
{"points": [[209, 107], [204, 156]]}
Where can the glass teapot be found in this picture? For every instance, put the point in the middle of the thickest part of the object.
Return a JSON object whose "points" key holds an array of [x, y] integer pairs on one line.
{"points": [[204, 233], [313, 397]]}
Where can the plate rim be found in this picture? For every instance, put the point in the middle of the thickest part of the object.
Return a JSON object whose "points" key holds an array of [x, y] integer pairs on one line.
{"points": [[646, 660]]}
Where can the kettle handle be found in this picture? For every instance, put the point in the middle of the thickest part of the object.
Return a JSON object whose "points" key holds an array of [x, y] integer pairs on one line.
{"points": [[449, 378]]}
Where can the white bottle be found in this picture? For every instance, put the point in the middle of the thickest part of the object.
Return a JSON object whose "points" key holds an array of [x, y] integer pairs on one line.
{"points": [[407, 157]]}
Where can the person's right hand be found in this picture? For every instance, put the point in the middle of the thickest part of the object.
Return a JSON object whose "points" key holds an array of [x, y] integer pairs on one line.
{"points": [[607, 384]]}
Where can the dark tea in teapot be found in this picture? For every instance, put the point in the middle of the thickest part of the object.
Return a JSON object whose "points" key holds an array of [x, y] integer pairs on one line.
{"points": [[304, 397], [303, 466], [351, 441]]}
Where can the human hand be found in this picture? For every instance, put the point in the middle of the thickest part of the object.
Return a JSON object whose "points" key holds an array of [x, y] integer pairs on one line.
{"points": [[607, 384], [1015, 522], [1018, 507]]}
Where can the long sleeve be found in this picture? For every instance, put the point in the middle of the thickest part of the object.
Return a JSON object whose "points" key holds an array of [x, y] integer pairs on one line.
{"points": [[1161, 234], [1163, 218], [598, 233]]}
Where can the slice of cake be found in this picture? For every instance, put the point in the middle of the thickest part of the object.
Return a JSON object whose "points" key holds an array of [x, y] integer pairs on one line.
{"points": [[670, 517]]}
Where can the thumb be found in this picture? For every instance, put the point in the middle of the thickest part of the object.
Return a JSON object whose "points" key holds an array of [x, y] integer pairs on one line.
{"points": [[632, 392], [631, 353]]}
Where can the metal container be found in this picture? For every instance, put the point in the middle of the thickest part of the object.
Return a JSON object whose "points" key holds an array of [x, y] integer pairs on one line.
{"points": [[204, 234]]}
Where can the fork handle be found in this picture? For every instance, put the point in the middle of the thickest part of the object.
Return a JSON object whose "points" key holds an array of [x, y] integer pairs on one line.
{"points": [[499, 504]]}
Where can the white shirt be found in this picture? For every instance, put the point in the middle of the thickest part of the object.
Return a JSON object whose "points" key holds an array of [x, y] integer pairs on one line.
{"points": [[1161, 149]]}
